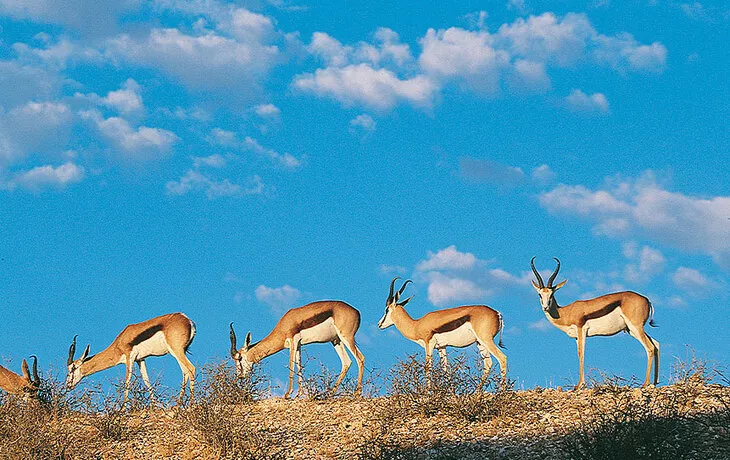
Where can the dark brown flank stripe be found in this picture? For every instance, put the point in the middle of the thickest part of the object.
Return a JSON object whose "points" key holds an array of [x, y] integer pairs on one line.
{"points": [[451, 325], [603, 311], [146, 334], [316, 319]]}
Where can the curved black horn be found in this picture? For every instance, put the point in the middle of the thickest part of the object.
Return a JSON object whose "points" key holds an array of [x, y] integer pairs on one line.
{"points": [[36, 379], [234, 350], [72, 351], [403, 288], [392, 283], [537, 274], [555, 273]]}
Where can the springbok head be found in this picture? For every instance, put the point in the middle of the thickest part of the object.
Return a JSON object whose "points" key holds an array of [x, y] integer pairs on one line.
{"points": [[33, 381], [546, 293], [393, 302], [74, 366], [240, 357]]}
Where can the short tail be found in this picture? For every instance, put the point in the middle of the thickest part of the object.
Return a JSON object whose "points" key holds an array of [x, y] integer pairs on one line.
{"points": [[651, 316], [192, 336], [501, 330]]}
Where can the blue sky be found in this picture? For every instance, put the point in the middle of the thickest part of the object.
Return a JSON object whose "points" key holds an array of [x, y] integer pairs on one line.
{"points": [[233, 160]]}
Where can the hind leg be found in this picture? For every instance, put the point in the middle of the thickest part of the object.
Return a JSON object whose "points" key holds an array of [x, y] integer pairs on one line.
{"points": [[487, 360], [648, 344], [359, 358], [346, 363]]}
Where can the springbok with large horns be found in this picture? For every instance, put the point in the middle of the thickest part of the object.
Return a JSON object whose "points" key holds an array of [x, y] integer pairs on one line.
{"points": [[452, 327], [18, 385], [605, 315], [167, 334], [318, 322]]}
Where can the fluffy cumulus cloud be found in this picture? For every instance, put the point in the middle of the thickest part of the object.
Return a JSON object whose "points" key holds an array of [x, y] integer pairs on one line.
{"points": [[622, 207], [136, 144], [33, 127], [363, 122], [43, 177], [195, 180], [278, 299], [230, 139], [362, 84], [646, 262], [579, 101], [692, 281], [238, 51], [454, 276], [378, 74]]}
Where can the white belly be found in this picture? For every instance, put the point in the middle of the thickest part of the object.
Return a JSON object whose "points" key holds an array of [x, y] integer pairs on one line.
{"points": [[610, 324], [154, 346], [321, 333], [462, 336]]}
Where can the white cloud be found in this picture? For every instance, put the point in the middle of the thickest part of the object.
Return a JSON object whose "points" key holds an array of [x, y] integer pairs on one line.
{"points": [[47, 176], [220, 62], [364, 122], [646, 262], [194, 180], [622, 206], [279, 299], [143, 143], [267, 111], [691, 280], [517, 6], [285, 160], [361, 84], [463, 54], [449, 258], [454, 276], [443, 290], [579, 101], [541, 325], [386, 48], [33, 127], [126, 99], [530, 76], [214, 161], [543, 174]]}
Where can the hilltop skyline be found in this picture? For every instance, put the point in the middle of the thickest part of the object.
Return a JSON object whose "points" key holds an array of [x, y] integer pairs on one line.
{"points": [[231, 160]]}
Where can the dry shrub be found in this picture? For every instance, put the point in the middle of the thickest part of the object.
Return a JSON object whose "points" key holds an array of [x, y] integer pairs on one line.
{"points": [[661, 423], [458, 390], [218, 415]]}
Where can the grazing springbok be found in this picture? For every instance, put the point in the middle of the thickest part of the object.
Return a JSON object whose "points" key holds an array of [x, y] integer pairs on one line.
{"points": [[318, 322], [21, 385], [605, 315], [172, 333], [452, 327]]}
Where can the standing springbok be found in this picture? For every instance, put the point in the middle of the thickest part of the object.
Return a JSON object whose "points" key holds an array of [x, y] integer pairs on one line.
{"points": [[452, 327], [318, 322], [21, 384], [172, 333], [605, 315]]}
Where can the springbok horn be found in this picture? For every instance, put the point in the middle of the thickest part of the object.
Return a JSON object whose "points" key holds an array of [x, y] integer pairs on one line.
{"points": [[403, 288], [234, 350], [72, 351], [555, 273], [392, 283], [537, 274], [402, 304], [36, 379]]}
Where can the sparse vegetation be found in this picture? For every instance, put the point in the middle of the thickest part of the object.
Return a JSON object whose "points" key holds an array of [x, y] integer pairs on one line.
{"points": [[445, 415]]}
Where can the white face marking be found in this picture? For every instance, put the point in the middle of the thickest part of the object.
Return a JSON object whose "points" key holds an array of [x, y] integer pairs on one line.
{"points": [[546, 294], [243, 365], [386, 320], [74, 373]]}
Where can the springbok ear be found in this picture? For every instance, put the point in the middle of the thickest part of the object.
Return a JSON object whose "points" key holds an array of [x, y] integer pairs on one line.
{"points": [[537, 288], [26, 370], [402, 304], [247, 343], [560, 285], [85, 353]]}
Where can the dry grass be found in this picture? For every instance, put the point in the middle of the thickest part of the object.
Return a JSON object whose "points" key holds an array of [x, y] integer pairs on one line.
{"points": [[449, 416]]}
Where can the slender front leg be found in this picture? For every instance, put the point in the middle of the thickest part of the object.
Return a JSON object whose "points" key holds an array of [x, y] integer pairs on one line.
{"points": [[145, 378], [292, 360], [443, 358], [300, 371], [127, 379], [581, 339]]}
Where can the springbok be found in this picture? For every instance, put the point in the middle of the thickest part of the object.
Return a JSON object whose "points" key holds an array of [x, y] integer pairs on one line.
{"points": [[24, 385], [318, 322], [452, 327], [605, 315], [172, 333]]}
